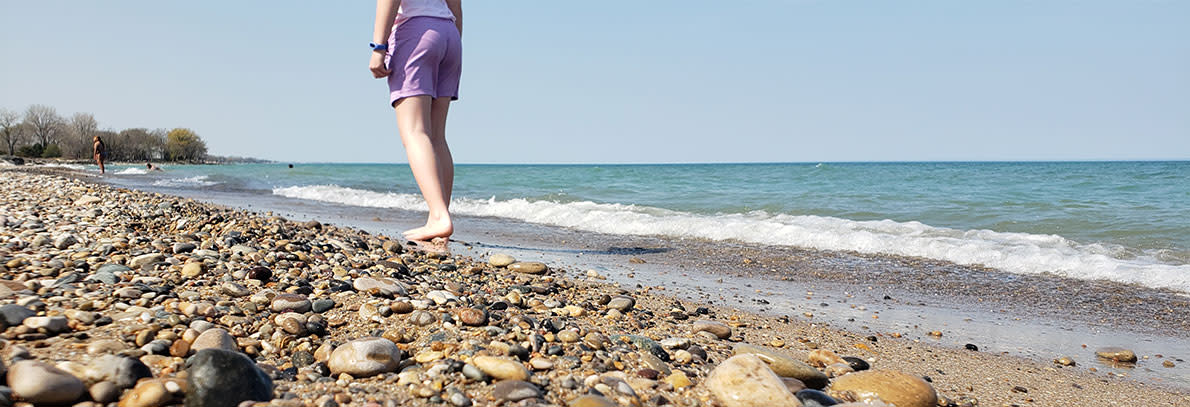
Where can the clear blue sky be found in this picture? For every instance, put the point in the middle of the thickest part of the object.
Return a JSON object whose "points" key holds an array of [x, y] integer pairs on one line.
{"points": [[633, 81]]}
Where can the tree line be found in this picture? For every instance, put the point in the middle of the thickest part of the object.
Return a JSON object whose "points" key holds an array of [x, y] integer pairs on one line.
{"points": [[41, 132]]}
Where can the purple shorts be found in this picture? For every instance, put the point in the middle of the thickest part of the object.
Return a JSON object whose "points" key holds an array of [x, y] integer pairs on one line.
{"points": [[426, 58]]}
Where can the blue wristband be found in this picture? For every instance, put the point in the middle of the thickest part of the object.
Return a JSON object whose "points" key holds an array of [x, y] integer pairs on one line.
{"points": [[378, 47]]}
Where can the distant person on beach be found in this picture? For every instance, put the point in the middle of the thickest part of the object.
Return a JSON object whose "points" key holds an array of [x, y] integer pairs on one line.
{"points": [[417, 45], [151, 167], [99, 151]]}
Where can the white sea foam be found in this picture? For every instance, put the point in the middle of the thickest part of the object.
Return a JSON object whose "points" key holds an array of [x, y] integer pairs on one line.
{"points": [[195, 181], [132, 171], [1020, 253], [68, 166]]}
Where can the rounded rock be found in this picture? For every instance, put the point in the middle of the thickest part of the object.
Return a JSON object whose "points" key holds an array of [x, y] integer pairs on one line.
{"points": [[214, 338], [528, 267], [891, 387], [746, 381], [719, 329], [501, 368], [365, 357], [40, 383], [1115, 353], [220, 378], [501, 260]]}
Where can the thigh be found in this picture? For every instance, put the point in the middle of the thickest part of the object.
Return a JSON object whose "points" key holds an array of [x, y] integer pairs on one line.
{"points": [[413, 115]]}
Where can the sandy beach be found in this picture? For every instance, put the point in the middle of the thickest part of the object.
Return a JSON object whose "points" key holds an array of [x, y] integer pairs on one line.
{"points": [[119, 289]]}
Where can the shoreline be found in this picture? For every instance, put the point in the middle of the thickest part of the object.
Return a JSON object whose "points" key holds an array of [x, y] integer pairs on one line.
{"points": [[956, 374]]}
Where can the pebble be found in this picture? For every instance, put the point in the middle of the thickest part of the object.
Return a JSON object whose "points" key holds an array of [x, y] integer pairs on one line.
{"points": [[148, 393], [784, 365], [104, 392], [528, 267], [123, 372], [1064, 361], [140, 261], [290, 303], [515, 390], [14, 315], [40, 383], [472, 317], [719, 329], [52, 325], [745, 381], [856, 364], [220, 378], [322, 305], [1117, 354], [422, 318], [192, 269], [501, 368], [214, 338], [380, 286], [501, 260], [623, 304], [815, 398], [892, 387], [591, 401], [365, 357]]}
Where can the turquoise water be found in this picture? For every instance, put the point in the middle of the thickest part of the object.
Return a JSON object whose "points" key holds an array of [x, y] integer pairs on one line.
{"points": [[1123, 221]]}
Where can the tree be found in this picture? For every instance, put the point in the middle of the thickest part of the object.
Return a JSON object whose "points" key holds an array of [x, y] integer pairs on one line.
{"points": [[138, 145], [79, 138], [44, 123], [183, 145], [12, 132]]}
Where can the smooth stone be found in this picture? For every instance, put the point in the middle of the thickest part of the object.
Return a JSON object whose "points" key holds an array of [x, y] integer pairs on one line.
{"points": [[290, 303], [192, 269], [380, 286], [103, 346], [515, 390], [815, 398], [655, 363], [214, 338], [87, 200], [40, 383], [501, 260], [65, 241], [473, 373], [785, 366], [675, 343], [568, 336], [50, 324], [746, 381], [148, 393], [889, 386], [14, 315], [184, 247], [104, 277], [113, 268], [501, 368], [441, 297], [540, 363], [220, 378], [139, 261], [591, 401], [118, 370], [472, 317], [322, 305], [621, 303], [365, 357], [104, 392], [856, 364], [528, 267], [422, 318], [235, 290], [1117, 354], [260, 273], [719, 329]]}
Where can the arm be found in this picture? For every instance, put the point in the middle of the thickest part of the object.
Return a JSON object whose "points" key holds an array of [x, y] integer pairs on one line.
{"points": [[456, 8], [386, 12]]}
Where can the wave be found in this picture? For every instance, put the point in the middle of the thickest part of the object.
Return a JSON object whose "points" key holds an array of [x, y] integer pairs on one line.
{"points": [[68, 166], [132, 171], [195, 181], [1020, 253]]}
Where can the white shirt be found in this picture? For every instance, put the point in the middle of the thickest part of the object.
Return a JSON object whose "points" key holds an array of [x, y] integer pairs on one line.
{"points": [[422, 8]]}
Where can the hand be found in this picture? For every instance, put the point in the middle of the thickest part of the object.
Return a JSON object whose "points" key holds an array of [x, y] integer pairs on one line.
{"points": [[377, 66]]}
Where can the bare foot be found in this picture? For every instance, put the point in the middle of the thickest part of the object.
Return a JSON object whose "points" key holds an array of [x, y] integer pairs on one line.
{"points": [[436, 245], [431, 230]]}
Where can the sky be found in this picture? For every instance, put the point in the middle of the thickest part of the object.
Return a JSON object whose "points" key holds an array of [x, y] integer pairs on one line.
{"points": [[621, 81]]}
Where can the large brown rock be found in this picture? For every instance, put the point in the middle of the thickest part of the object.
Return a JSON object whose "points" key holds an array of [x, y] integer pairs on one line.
{"points": [[900, 389], [40, 383]]}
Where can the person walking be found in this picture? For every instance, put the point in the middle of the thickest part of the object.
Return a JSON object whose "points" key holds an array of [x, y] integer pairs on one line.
{"points": [[417, 46]]}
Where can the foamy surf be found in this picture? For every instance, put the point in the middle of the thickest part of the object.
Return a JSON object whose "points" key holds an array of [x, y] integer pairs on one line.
{"points": [[132, 171], [195, 181], [1020, 253]]}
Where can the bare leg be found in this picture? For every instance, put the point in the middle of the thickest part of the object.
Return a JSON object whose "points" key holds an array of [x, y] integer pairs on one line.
{"points": [[427, 157], [99, 160]]}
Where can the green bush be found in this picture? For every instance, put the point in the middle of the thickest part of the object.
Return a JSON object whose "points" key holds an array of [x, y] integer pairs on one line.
{"points": [[51, 151], [33, 150]]}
